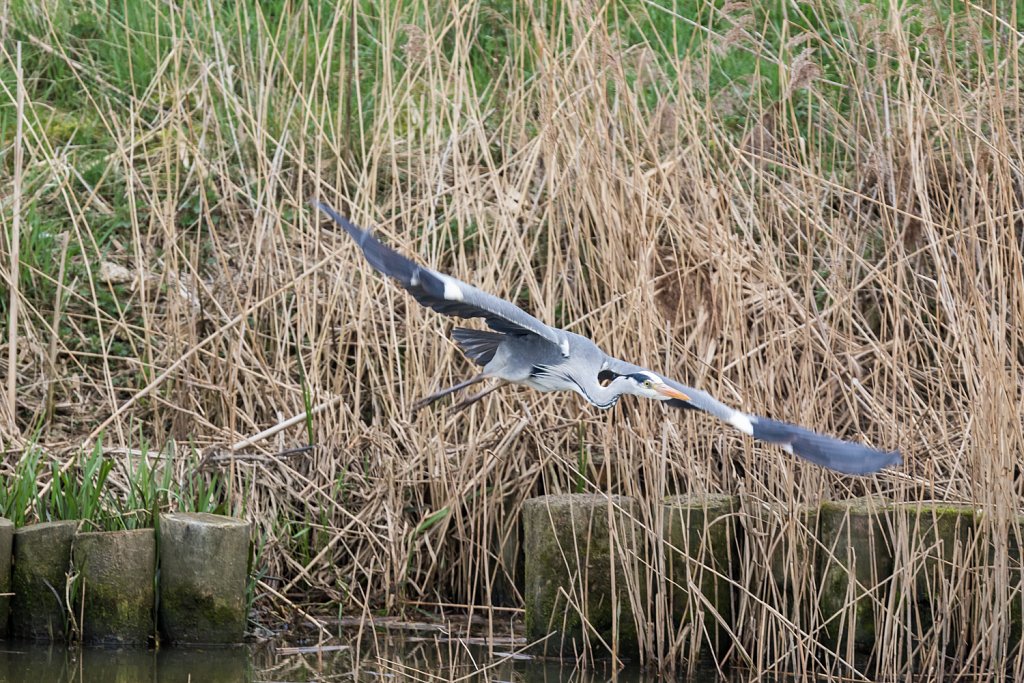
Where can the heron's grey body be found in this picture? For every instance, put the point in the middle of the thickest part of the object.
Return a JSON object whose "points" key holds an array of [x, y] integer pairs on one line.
{"points": [[520, 348], [532, 360]]}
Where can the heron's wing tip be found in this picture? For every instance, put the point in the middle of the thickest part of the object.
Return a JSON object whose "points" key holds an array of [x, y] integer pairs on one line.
{"points": [[348, 225], [843, 456]]}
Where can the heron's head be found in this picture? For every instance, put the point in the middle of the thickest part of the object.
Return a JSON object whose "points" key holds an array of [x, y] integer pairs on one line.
{"points": [[649, 385]]}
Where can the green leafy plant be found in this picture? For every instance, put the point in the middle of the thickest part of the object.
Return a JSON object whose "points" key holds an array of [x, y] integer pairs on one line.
{"points": [[18, 495], [201, 490], [149, 483], [430, 521], [79, 492]]}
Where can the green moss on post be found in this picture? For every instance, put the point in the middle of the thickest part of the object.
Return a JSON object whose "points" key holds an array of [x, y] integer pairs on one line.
{"points": [[575, 581], [42, 557], [703, 549], [203, 569], [6, 550], [116, 577], [854, 563]]}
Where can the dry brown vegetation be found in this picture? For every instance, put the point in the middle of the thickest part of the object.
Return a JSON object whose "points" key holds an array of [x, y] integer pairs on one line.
{"points": [[822, 226]]}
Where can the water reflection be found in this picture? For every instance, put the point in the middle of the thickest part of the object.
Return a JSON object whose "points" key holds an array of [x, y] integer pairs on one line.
{"points": [[379, 658], [38, 663]]}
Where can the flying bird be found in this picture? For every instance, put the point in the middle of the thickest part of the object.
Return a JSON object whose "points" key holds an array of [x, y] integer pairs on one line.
{"points": [[521, 349]]}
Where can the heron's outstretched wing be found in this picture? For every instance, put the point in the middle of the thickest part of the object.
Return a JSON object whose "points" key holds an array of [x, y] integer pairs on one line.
{"points": [[835, 454], [444, 293]]}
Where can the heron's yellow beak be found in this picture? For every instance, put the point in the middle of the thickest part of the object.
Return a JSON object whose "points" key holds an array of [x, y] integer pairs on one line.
{"points": [[666, 390]]}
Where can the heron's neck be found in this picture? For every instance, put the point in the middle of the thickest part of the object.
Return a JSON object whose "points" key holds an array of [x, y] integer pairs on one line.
{"points": [[607, 396]]}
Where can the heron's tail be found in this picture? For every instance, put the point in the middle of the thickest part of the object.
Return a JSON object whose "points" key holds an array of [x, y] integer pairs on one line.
{"points": [[479, 345]]}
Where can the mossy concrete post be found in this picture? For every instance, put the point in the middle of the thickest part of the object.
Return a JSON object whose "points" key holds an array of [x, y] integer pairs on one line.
{"points": [[116, 573], [506, 588], [6, 551], [42, 557], [1015, 558], [787, 535], [578, 548], [792, 558], [702, 534], [203, 570], [938, 539], [854, 565]]}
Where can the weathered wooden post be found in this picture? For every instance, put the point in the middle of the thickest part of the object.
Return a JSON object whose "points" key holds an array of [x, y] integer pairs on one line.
{"points": [[6, 553], [116, 575], [1015, 609], [42, 558], [854, 563], [792, 560], [203, 570], [703, 537], [578, 549], [936, 545]]}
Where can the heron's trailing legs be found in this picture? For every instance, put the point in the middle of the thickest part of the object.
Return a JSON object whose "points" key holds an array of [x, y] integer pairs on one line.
{"points": [[467, 402], [437, 395]]}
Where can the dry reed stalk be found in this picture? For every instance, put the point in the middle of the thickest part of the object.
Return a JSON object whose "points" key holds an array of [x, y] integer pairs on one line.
{"points": [[58, 307], [14, 275]]}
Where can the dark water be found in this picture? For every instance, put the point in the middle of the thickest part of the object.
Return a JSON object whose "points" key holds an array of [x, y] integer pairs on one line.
{"points": [[376, 659]]}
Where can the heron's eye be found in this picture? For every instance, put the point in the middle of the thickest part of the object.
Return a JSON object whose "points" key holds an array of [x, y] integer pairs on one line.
{"points": [[648, 384]]}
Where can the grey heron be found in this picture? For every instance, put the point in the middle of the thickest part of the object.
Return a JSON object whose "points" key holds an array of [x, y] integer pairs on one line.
{"points": [[521, 349]]}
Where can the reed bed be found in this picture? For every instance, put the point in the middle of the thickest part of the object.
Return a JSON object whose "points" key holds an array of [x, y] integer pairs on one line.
{"points": [[814, 211]]}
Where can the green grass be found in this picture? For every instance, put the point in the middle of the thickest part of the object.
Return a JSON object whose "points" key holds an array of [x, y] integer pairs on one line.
{"points": [[202, 491]]}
